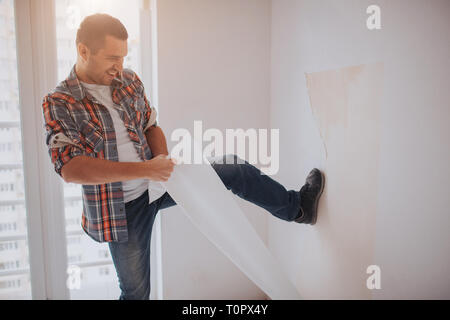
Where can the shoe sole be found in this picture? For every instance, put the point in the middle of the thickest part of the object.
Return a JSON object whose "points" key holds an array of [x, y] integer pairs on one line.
{"points": [[316, 202]]}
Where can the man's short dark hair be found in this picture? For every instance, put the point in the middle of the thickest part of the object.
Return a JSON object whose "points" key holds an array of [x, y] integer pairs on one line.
{"points": [[94, 28]]}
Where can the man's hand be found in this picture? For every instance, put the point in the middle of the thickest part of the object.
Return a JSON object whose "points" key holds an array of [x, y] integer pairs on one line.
{"points": [[160, 168]]}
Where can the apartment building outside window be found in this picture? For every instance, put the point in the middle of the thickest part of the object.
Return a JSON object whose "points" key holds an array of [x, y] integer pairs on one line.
{"points": [[14, 264]]}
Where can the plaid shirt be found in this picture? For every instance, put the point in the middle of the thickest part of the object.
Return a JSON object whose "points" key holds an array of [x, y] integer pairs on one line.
{"points": [[77, 124]]}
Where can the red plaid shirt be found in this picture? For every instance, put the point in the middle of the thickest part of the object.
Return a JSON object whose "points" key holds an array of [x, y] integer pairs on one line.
{"points": [[77, 124]]}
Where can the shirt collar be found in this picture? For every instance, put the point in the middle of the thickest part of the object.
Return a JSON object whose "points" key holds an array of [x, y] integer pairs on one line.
{"points": [[77, 90]]}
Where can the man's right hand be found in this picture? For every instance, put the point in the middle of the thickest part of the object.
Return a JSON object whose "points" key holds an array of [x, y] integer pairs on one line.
{"points": [[160, 167]]}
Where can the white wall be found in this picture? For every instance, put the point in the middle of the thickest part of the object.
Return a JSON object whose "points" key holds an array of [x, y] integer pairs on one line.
{"points": [[214, 59], [411, 227], [244, 64]]}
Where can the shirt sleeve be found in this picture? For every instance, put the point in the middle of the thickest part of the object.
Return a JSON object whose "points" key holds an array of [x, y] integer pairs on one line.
{"points": [[63, 139], [150, 112]]}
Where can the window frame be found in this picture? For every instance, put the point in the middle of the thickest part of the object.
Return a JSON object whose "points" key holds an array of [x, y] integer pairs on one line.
{"points": [[149, 67]]}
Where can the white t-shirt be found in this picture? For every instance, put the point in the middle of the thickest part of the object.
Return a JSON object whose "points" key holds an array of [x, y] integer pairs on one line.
{"points": [[132, 189]]}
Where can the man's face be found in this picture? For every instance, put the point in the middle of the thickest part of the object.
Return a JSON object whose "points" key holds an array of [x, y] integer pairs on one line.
{"points": [[103, 66]]}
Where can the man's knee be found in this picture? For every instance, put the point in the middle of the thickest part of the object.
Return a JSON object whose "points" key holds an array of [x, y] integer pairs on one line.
{"points": [[227, 169]]}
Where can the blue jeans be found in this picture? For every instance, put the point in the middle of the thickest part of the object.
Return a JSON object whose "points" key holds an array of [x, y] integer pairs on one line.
{"points": [[132, 258]]}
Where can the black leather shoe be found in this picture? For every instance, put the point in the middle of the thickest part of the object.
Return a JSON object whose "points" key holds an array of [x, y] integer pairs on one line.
{"points": [[309, 196]]}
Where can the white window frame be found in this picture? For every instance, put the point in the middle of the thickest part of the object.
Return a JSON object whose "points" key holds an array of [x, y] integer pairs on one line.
{"points": [[44, 197], [149, 68]]}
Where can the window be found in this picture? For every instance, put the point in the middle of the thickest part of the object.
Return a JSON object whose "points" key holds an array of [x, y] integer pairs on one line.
{"points": [[103, 271], [14, 266], [10, 284], [8, 246]]}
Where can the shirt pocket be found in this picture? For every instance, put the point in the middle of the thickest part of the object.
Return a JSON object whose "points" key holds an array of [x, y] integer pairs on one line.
{"points": [[93, 136]]}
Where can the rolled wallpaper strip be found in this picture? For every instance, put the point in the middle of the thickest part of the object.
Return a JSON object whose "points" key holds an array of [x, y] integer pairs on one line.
{"points": [[203, 197]]}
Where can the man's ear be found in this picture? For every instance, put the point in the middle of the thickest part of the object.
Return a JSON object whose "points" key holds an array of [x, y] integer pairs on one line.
{"points": [[83, 51]]}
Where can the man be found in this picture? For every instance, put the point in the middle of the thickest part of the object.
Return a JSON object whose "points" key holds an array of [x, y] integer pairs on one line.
{"points": [[102, 133]]}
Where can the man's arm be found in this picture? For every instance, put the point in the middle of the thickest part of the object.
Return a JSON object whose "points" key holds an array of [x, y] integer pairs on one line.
{"points": [[153, 133], [92, 171], [156, 140]]}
